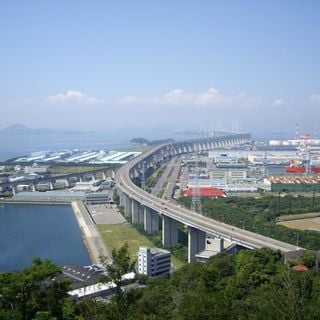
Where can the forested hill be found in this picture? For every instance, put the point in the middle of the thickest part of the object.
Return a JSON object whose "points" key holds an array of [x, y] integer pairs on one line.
{"points": [[254, 284], [250, 285], [147, 142]]}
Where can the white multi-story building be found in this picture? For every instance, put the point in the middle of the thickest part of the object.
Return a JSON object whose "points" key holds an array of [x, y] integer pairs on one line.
{"points": [[154, 261]]}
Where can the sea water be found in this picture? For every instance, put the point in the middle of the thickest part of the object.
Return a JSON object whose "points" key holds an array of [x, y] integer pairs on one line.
{"points": [[45, 231]]}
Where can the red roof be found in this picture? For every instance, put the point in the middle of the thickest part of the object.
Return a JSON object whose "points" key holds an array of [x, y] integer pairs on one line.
{"points": [[206, 192], [300, 267]]}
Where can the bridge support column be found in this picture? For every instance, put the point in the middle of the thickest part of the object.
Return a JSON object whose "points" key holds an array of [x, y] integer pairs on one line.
{"points": [[169, 231], [14, 190], [196, 242], [93, 177], [104, 177], [67, 183], [113, 174], [33, 187], [151, 220], [51, 185], [127, 205], [134, 211], [121, 197], [81, 178], [141, 214]]}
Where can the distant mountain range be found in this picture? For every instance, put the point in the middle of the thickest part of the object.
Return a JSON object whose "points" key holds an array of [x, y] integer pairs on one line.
{"points": [[18, 129]]}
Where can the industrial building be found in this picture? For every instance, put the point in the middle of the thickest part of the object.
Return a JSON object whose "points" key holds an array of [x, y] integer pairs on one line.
{"points": [[287, 183], [87, 186], [209, 192], [55, 196], [154, 261], [76, 156], [228, 174], [35, 168], [99, 289], [222, 157], [97, 198]]}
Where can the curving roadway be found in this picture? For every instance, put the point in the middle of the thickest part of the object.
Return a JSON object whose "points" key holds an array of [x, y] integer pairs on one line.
{"points": [[189, 218]]}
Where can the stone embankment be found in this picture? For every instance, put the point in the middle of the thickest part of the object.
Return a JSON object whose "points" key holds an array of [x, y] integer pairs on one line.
{"points": [[91, 236]]}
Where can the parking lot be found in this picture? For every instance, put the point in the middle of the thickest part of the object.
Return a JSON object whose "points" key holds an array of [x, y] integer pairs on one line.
{"points": [[105, 214]]}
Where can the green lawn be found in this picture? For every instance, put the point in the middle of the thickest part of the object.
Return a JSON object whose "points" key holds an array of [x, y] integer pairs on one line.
{"points": [[116, 235]]}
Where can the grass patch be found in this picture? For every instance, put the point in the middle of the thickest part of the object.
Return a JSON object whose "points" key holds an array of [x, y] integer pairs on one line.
{"points": [[116, 235]]}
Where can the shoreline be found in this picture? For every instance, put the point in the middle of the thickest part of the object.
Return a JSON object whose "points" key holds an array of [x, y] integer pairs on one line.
{"points": [[90, 235], [33, 202]]}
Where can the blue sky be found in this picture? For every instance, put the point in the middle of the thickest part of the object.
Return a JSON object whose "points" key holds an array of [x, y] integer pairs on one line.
{"points": [[160, 63]]}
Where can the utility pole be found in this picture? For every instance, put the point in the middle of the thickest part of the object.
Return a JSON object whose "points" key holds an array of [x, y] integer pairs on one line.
{"points": [[196, 195], [143, 177]]}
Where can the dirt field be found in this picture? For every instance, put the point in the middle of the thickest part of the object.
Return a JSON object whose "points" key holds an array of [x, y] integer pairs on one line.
{"points": [[303, 224]]}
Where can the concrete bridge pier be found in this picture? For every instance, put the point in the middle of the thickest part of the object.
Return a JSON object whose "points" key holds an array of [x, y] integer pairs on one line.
{"points": [[51, 187], [196, 242], [104, 176], [141, 214], [151, 220], [67, 183], [14, 190], [135, 211], [33, 187], [93, 177], [169, 231], [127, 206], [121, 197]]}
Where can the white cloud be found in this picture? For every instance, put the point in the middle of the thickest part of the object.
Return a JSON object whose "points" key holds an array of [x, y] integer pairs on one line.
{"points": [[315, 97], [73, 96], [277, 102], [211, 97]]}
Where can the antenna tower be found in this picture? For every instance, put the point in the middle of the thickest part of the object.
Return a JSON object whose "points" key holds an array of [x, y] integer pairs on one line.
{"points": [[265, 166], [306, 152], [196, 196]]}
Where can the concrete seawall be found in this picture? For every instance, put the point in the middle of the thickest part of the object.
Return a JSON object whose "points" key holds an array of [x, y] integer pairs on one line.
{"points": [[35, 202], [91, 236]]}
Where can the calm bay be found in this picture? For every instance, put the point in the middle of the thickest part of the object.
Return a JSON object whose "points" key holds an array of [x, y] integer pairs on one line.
{"points": [[45, 231]]}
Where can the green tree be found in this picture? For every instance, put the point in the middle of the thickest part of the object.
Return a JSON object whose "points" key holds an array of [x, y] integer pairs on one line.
{"points": [[120, 266], [28, 292]]}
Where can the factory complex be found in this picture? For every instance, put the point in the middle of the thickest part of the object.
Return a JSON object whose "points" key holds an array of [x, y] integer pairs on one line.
{"points": [[76, 156]]}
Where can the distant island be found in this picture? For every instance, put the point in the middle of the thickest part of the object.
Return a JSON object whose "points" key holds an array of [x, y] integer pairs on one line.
{"points": [[18, 129], [146, 142]]}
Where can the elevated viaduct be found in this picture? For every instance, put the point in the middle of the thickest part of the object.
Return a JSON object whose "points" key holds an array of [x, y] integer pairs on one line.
{"points": [[150, 211]]}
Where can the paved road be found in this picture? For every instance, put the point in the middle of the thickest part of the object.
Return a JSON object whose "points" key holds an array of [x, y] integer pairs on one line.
{"points": [[167, 179], [171, 181], [191, 218]]}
